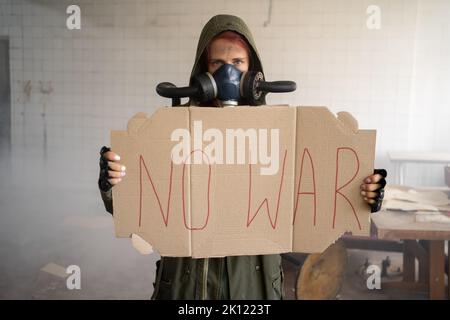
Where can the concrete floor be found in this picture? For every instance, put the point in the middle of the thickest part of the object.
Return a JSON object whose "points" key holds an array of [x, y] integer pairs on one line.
{"points": [[51, 212]]}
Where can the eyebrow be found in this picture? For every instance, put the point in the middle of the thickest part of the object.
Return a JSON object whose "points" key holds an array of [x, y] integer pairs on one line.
{"points": [[221, 60], [216, 60]]}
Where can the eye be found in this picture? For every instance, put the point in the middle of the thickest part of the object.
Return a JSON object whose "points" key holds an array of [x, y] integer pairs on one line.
{"points": [[216, 62], [238, 62]]}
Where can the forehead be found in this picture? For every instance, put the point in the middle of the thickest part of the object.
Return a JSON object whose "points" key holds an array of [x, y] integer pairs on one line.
{"points": [[223, 47]]}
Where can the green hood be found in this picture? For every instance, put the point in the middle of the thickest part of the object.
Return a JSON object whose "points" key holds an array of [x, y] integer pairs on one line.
{"points": [[217, 25]]}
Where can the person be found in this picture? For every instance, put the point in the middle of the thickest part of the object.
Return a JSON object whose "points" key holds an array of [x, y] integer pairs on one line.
{"points": [[225, 42]]}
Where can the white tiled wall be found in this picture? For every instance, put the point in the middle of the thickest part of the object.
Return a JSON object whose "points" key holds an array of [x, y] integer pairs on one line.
{"points": [[69, 88], [430, 104]]}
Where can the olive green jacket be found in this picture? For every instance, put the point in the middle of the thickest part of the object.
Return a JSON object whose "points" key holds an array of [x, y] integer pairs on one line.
{"points": [[237, 277]]}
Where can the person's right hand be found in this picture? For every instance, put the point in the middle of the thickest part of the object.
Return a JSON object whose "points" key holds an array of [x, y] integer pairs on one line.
{"points": [[111, 171], [116, 171]]}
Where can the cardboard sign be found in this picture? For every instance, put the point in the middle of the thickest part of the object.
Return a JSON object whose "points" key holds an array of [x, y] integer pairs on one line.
{"points": [[210, 182]]}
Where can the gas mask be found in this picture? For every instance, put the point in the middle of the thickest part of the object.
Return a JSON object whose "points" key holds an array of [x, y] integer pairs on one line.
{"points": [[227, 84]]}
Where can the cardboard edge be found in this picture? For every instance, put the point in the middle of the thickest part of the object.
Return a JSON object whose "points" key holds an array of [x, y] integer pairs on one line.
{"points": [[141, 120], [348, 121], [345, 121], [191, 242], [349, 126], [294, 181], [136, 122]]}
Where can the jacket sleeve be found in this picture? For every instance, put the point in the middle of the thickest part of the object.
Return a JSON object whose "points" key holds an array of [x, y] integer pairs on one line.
{"points": [[107, 200]]}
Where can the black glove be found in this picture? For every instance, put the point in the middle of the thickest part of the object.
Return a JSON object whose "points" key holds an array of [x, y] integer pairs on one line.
{"points": [[379, 199], [103, 182]]}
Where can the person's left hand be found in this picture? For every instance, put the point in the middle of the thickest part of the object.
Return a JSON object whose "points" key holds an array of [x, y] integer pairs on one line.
{"points": [[372, 189]]}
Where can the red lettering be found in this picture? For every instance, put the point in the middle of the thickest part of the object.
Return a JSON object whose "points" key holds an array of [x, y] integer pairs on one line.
{"points": [[310, 193], [265, 201], [155, 192], [338, 190], [208, 193]]}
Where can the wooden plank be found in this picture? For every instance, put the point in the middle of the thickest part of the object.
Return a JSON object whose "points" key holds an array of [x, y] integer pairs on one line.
{"points": [[409, 262], [394, 225], [437, 270], [424, 270], [407, 286], [352, 242], [419, 251]]}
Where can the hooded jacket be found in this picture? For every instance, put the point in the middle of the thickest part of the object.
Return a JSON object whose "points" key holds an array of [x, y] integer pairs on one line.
{"points": [[236, 277], [214, 27]]}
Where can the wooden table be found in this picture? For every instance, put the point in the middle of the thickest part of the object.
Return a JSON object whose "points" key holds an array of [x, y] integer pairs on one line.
{"points": [[424, 241]]}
